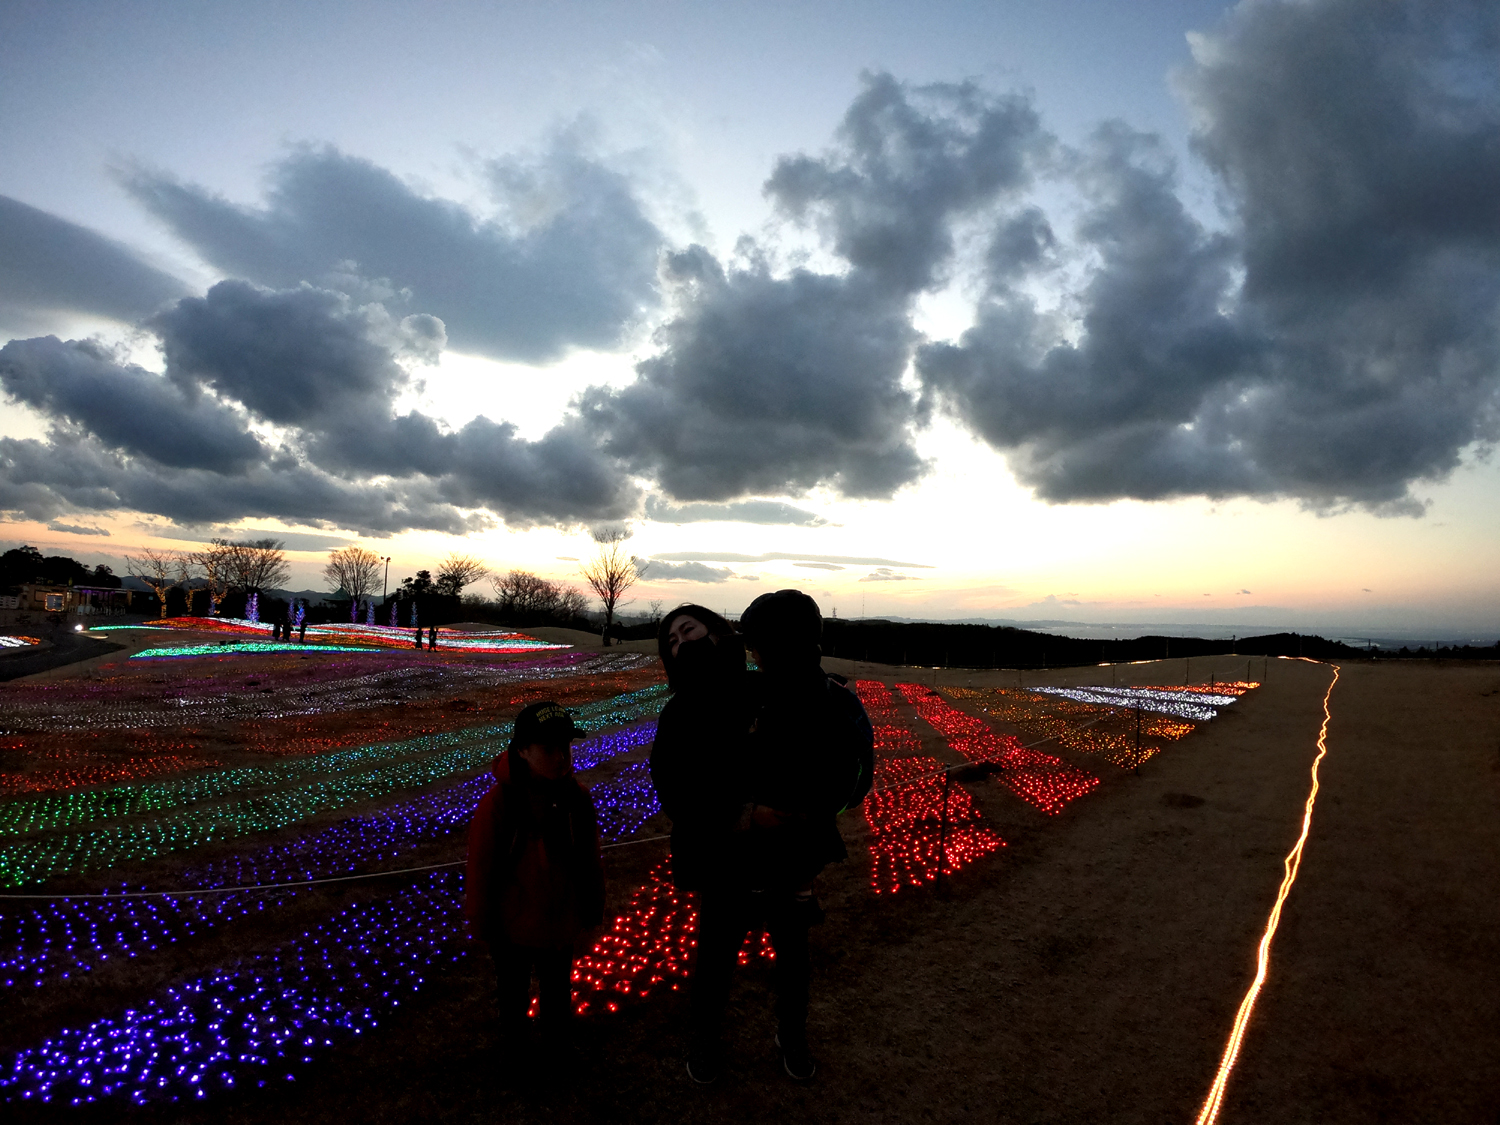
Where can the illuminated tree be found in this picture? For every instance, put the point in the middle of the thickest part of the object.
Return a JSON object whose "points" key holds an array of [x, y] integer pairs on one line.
{"points": [[457, 571], [355, 569], [215, 566], [611, 571], [163, 571]]}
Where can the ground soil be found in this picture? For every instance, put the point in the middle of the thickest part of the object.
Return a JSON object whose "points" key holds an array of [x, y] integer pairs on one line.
{"points": [[1091, 970]]}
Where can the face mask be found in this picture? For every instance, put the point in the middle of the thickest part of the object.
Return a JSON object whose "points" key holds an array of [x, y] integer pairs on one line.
{"points": [[701, 661]]}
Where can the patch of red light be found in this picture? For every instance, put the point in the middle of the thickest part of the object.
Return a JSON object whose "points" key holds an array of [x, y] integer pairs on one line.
{"points": [[908, 843], [649, 945], [1039, 779]]}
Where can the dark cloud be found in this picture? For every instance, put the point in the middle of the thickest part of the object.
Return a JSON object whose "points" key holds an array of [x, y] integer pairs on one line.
{"points": [[571, 262], [658, 571], [48, 264], [908, 161], [80, 383], [326, 372], [71, 473], [312, 358], [767, 385], [775, 556], [772, 384], [75, 529], [293, 356], [1337, 345], [743, 511]]}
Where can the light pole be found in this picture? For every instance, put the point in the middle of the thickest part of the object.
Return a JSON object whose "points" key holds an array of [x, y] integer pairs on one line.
{"points": [[386, 581]]}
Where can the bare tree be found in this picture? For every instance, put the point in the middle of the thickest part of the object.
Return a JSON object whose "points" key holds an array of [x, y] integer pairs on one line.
{"points": [[215, 564], [571, 604], [655, 605], [522, 594], [526, 598], [354, 569], [163, 571], [258, 564], [457, 571], [611, 571]]}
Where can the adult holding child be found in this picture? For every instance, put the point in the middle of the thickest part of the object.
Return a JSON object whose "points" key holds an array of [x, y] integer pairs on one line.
{"points": [[753, 772]]}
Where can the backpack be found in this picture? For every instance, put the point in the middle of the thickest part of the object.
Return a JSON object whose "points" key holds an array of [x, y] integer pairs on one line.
{"points": [[852, 740]]}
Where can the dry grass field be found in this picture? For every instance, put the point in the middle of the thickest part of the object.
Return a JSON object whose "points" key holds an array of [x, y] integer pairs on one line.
{"points": [[1087, 971]]}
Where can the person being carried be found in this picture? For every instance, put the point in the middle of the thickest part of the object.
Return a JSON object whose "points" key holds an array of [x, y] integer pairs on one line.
{"points": [[535, 880]]}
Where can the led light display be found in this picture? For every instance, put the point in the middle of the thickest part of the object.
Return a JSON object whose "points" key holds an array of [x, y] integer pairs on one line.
{"points": [[366, 632], [1042, 780], [1185, 704], [50, 813], [17, 642], [306, 786], [138, 697], [626, 801], [46, 941], [1116, 734], [910, 839], [650, 944], [240, 648], [257, 1022]]}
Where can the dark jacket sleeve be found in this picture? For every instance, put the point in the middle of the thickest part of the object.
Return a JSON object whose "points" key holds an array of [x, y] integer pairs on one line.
{"points": [[590, 871], [481, 862], [695, 763]]}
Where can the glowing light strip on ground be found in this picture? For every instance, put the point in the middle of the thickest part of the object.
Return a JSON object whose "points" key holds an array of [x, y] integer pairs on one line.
{"points": [[243, 648], [1291, 865], [17, 642]]}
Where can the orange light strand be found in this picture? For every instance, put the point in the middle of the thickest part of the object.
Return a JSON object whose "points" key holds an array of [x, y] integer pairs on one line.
{"points": [[1291, 865]]}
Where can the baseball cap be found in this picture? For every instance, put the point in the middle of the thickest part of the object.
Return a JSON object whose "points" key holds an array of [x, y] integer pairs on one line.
{"points": [[545, 722]]}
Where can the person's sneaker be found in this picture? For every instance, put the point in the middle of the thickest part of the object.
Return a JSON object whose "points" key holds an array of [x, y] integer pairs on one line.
{"points": [[704, 1065], [796, 1059]]}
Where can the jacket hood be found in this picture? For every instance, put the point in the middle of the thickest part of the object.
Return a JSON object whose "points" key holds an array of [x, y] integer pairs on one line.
{"points": [[501, 768]]}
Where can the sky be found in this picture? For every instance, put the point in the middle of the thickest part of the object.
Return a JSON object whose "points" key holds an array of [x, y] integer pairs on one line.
{"points": [[1080, 311]]}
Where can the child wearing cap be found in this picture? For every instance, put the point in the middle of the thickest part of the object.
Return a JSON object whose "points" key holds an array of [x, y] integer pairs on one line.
{"points": [[535, 879]]}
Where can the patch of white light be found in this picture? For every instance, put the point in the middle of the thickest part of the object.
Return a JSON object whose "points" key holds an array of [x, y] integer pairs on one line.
{"points": [[532, 397]]}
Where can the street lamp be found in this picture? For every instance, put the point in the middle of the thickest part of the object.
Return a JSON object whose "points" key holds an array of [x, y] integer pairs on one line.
{"points": [[386, 581]]}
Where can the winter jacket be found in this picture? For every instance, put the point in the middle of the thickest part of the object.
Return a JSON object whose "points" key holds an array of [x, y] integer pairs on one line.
{"points": [[535, 877], [811, 751], [698, 768]]}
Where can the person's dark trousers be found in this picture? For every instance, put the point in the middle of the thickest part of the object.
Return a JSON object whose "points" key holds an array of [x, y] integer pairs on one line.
{"points": [[725, 917], [513, 968]]}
